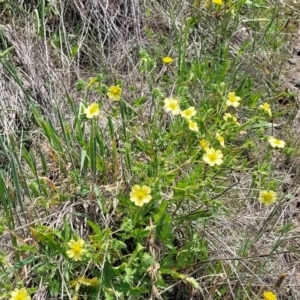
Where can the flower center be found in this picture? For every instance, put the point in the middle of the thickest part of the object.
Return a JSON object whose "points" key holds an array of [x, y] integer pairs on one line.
{"points": [[115, 91], [268, 197], [213, 157], [77, 249], [21, 296], [140, 195], [93, 110]]}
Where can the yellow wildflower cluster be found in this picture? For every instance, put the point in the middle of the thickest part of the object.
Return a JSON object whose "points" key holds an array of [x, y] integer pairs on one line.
{"points": [[215, 157], [93, 110], [211, 156], [142, 194], [172, 105]]}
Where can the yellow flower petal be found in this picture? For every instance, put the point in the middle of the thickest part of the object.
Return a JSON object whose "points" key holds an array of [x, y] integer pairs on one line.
{"points": [[188, 113], [92, 81], [220, 139], [233, 100], [172, 105], [204, 144], [213, 157], [268, 295], [92, 111], [167, 60], [76, 249], [20, 294], [140, 195], [145, 189], [193, 125], [266, 107], [275, 143], [219, 2], [230, 117], [267, 197], [114, 92]]}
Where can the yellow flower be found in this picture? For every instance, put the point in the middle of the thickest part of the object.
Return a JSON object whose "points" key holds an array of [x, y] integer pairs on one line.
{"points": [[233, 100], [172, 105], [193, 125], [266, 108], [204, 144], [220, 2], [92, 111], [230, 117], [276, 143], [188, 113], [220, 139], [167, 60], [213, 157], [267, 197], [77, 249], [114, 92], [140, 195], [20, 294], [92, 81], [269, 296]]}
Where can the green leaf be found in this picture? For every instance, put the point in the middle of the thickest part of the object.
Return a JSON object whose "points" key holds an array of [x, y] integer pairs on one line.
{"points": [[95, 228], [109, 273], [197, 214], [83, 159], [74, 51], [134, 254], [160, 215], [265, 125], [5, 52]]}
